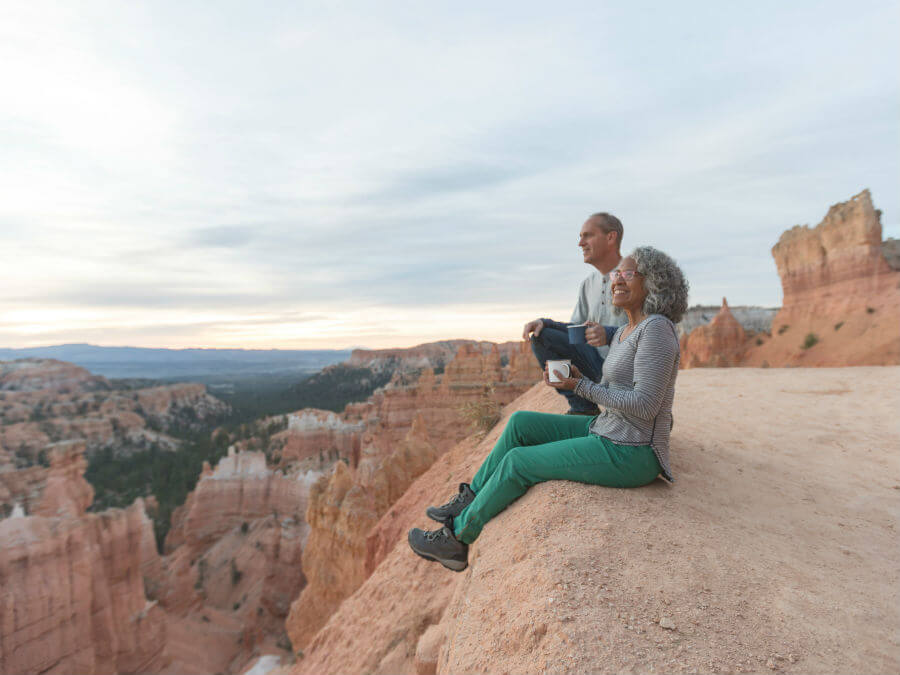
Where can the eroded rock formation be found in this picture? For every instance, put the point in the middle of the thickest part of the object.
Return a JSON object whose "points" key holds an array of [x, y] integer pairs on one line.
{"points": [[43, 401], [233, 561], [72, 593], [841, 307], [722, 342], [841, 293], [312, 432]]}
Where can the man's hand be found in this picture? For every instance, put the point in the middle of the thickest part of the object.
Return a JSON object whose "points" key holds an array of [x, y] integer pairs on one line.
{"points": [[567, 383], [595, 334], [535, 327]]}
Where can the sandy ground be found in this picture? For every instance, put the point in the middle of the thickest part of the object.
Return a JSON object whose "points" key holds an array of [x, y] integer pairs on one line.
{"points": [[776, 550]]}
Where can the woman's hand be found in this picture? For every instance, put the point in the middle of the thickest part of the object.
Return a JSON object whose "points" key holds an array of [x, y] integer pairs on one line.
{"points": [[566, 383], [595, 334]]}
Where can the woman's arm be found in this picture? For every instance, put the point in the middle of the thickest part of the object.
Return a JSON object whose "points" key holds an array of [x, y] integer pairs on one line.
{"points": [[653, 361]]}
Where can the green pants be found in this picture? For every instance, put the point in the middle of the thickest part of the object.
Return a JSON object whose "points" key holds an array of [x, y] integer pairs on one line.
{"points": [[535, 447]]}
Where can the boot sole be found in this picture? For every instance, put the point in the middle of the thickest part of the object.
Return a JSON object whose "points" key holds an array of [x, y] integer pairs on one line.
{"points": [[453, 565]]}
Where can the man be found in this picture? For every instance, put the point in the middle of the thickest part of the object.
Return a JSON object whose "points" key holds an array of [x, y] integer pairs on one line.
{"points": [[600, 241]]}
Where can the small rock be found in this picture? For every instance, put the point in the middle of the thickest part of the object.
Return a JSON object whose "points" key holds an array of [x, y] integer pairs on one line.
{"points": [[667, 622], [771, 664], [792, 658]]}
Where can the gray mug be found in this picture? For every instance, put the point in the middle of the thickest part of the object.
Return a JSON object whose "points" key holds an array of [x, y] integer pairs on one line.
{"points": [[577, 334]]}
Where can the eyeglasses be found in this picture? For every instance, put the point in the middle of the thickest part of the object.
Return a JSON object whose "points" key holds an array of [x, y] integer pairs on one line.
{"points": [[627, 275]]}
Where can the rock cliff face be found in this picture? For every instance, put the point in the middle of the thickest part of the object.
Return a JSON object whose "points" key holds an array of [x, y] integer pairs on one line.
{"points": [[841, 306], [241, 488], [721, 342], [72, 593], [314, 432], [725, 571], [59, 490], [430, 355], [841, 293], [233, 562], [406, 428]]}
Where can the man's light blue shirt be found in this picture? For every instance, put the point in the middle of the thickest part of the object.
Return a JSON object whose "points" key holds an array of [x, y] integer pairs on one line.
{"points": [[595, 304]]}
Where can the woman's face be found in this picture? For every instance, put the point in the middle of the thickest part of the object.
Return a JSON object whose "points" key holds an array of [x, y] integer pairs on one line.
{"points": [[628, 294]]}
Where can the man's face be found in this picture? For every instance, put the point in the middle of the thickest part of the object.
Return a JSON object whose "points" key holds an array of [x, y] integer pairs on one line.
{"points": [[594, 242]]}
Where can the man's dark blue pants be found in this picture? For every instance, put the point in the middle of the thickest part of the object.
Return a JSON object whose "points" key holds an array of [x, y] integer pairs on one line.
{"points": [[552, 344]]}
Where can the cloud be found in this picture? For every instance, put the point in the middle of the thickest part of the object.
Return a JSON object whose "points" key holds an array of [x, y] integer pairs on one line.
{"points": [[242, 162], [222, 236]]}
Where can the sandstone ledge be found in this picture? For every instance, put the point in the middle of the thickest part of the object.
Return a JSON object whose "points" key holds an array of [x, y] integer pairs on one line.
{"points": [[775, 550]]}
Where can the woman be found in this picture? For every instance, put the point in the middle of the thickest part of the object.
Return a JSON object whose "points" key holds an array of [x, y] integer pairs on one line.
{"points": [[626, 445]]}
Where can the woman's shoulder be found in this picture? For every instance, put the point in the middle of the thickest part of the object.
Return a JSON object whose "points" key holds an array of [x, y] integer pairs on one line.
{"points": [[659, 326]]}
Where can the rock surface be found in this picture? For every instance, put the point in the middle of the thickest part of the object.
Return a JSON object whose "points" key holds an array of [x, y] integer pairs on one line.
{"points": [[751, 561]]}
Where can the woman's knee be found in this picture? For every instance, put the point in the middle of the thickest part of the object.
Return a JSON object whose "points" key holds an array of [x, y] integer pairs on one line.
{"points": [[516, 421], [522, 418], [514, 466]]}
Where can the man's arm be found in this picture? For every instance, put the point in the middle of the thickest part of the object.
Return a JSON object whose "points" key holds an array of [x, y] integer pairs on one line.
{"points": [[535, 327]]}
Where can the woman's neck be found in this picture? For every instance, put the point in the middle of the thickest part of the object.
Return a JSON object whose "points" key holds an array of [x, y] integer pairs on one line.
{"points": [[635, 316]]}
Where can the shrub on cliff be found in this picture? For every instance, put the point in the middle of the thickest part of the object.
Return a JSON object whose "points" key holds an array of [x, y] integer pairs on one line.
{"points": [[483, 413]]}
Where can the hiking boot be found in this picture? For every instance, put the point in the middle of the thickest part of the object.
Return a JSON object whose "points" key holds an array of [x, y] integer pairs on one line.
{"points": [[454, 507], [440, 546]]}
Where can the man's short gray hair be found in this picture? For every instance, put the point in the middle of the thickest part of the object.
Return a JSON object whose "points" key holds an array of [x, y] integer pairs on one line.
{"points": [[667, 289], [609, 223]]}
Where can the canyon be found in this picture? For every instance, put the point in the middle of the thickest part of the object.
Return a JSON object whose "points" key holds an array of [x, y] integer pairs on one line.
{"points": [[290, 550], [233, 561], [43, 401]]}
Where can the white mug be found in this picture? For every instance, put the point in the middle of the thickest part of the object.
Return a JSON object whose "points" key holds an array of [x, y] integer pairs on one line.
{"points": [[562, 366]]}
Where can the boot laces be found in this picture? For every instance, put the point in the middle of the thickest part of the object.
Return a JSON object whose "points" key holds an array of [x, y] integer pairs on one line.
{"points": [[456, 500], [435, 535]]}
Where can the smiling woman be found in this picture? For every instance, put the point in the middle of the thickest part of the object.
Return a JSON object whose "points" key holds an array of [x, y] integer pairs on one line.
{"points": [[626, 445]]}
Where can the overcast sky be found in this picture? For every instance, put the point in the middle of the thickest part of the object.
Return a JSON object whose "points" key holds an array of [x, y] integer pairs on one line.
{"points": [[330, 174]]}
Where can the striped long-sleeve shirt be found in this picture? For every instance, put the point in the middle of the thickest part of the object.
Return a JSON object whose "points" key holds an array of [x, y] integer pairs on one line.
{"points": [[637, 388]]}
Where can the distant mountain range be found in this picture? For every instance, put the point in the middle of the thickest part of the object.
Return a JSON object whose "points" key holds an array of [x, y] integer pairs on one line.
{"points": [[184, 364]]}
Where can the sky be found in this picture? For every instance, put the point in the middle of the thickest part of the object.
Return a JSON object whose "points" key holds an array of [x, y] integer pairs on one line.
{"points": [[337, 174]]}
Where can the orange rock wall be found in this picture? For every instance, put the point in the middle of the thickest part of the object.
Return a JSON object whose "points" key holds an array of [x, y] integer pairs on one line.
{"points": [[233, 562], [407, 427], [57, 490], [72, 595], [313, 432], [841, 306], [840, 292]]}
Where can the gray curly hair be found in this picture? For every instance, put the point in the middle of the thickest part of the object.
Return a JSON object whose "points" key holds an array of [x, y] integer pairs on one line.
{"points": [[667, 289]]}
